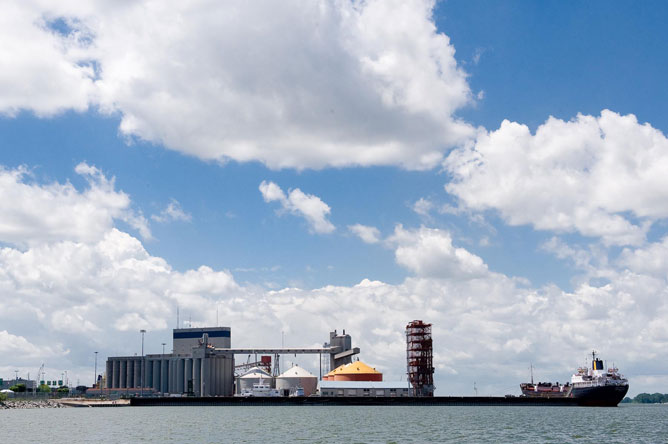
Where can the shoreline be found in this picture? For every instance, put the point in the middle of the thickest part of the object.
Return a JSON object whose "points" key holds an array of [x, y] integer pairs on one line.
{"points": [[22, 404]]}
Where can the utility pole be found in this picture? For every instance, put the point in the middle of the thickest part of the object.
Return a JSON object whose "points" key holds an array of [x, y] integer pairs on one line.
{"points": [[141, 369], [95, 376], [163, 348]]}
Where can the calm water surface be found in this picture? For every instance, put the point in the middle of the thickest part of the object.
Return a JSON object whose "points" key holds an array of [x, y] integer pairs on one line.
{"points": [[315, 424]]}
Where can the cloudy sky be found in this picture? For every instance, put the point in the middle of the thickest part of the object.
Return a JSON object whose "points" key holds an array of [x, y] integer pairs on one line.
{"points": [[497, 169]]}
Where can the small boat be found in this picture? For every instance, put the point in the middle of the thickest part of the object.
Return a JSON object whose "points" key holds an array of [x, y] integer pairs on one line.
{"points": [[296, 392], [260, 389]]}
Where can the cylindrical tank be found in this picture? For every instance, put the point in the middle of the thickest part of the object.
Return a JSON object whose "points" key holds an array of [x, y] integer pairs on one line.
{"points": [[330, 376], [358, 371], [297, 377], [253, 376]]}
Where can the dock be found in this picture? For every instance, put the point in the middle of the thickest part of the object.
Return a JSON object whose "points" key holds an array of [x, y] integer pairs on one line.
{"points": [[353, 400]]}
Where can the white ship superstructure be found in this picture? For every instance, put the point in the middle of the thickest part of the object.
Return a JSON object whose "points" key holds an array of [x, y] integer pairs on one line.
{"points": [[603, 387]]}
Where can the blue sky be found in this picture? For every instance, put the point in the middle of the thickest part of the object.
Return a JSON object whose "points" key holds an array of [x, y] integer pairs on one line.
{"points": [[512, 239]]}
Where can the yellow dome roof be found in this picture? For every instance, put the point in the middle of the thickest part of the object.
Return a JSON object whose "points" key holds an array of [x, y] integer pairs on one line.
{"points": [[356, 367], [337, 370]]}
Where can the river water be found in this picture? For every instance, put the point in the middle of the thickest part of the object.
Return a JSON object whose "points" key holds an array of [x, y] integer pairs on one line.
{"points": [[337, 424]]}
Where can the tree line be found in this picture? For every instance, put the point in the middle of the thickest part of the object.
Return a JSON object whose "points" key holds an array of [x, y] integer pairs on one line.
{"points": [[646, 398]]}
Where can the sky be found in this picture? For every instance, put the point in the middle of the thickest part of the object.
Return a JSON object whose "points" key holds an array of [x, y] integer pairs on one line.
{"points": [[496, 169]]}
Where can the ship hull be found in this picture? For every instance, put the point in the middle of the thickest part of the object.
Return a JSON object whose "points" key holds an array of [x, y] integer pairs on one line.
{"points": [[602, 396]]}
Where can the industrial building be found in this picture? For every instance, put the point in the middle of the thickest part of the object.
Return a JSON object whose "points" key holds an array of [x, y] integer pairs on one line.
{"points": [[30, 384], [202, 363], [364, 388]]}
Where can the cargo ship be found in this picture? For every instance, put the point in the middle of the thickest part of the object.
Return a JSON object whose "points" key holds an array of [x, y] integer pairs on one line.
{"points": [[593, 386]]}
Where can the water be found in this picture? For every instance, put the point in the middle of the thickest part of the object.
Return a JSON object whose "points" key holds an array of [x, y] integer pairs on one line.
{"points": [[336, 424]]}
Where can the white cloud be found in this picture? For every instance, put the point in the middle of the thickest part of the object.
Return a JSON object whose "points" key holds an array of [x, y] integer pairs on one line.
{"points": [[32, 213], [369, 235], [430, 253], [308, 206], [272, 192], [42, 70], [173, 212], [299, 85], [601, 176], [650, 259], [423, 206], [96, 296], [78, 292], [12, 345]]}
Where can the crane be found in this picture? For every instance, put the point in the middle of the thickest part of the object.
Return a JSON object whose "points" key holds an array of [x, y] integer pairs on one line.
{"points": [[40, 374]]}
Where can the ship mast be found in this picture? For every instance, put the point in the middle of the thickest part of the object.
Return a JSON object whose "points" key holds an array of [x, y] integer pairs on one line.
{"points": [[531, 367]]}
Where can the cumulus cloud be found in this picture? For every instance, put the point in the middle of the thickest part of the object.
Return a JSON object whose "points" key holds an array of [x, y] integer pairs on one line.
{"points": [[42, 70], [18, 345], [602, 176], [308, 206], [299, 85], [173, 212], [88, 291], [430, 252], [649, 259], [32, 213], [369, 235], [423, 206], [96, 296]]}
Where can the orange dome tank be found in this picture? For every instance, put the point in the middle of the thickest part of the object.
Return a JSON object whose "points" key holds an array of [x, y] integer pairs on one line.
{"points": [[356, 371]]}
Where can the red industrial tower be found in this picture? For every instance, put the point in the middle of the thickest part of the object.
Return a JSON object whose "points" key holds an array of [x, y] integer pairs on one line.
{"points": [[419, 354]]}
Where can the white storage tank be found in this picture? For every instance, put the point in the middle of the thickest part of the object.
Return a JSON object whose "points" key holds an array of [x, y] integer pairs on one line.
{"points": [[297, 377], [253, 376]]}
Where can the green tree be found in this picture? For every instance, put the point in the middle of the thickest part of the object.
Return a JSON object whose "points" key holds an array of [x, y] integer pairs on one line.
{"points": [[19, 388], [44, 388], [654, 398]]}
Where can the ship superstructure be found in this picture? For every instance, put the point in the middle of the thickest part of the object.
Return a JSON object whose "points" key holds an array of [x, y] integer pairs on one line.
{"points": [[597, 386]]}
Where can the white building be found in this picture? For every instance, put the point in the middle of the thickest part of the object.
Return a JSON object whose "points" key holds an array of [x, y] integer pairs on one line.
{"points": [[364, 388]]}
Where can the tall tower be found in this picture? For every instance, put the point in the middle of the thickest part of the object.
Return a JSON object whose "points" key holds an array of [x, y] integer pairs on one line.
{"points": [[419, 356]]}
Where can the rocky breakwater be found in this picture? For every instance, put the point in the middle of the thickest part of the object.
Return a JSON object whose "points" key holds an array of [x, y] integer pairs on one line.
{"points": [[30, 404]]}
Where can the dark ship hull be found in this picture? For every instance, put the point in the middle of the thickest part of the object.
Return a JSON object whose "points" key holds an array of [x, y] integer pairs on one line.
{"points": [[601, 396]]}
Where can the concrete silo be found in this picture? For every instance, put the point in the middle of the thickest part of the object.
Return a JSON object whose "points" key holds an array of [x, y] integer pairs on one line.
{"points": [[253, 376], [297, 377]]}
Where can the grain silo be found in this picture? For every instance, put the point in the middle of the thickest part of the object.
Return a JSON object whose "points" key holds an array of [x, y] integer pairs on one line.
{"points": [[295, 377], [357, 371], [330, 376], [253, 376]]}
